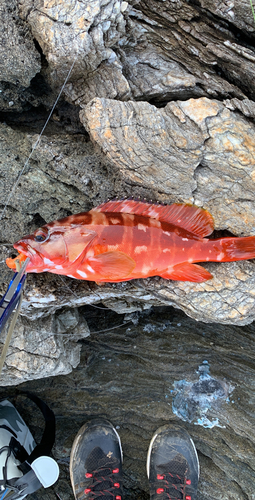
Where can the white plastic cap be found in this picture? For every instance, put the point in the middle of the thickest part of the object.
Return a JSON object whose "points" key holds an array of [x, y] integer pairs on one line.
{"points": [[46, 469]]}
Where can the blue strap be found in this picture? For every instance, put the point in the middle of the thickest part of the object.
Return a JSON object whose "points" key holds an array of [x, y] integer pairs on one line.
{"points": [[11, 297], [4, 493]]}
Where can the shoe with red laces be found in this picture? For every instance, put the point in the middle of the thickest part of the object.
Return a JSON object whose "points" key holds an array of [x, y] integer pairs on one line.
{"points": [[96, 462], [172, 465]]}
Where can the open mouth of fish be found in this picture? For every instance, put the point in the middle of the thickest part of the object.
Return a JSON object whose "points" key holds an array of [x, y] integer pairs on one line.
{"points": [[24, 252]]}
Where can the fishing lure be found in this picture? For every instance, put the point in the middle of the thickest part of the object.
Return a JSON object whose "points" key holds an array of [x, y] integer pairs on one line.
{"points": [[127, 239]]}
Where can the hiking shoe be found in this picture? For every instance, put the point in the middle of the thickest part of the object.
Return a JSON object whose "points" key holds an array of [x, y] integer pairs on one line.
{"points": [[96, 462], [172, 465]]}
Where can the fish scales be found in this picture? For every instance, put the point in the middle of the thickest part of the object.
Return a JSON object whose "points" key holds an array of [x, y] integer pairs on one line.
{"points": [[124, 240]]}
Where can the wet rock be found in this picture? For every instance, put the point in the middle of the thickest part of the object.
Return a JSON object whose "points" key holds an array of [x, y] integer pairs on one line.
{"points": [[128, 375], [193, 399]]}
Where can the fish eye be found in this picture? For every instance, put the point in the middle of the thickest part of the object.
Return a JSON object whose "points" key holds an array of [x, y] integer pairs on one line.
{"points": [[40, 236]]}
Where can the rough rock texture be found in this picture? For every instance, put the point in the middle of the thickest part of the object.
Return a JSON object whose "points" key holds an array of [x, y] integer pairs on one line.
{"points": [[20, 61], [200, 137], [160, 103], [195, 151], [47, 347], [72, 30], [131, 376]]}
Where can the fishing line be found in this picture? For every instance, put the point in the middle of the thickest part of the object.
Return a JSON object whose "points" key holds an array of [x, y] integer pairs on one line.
{"points": [[97, 331], [76, 296], [37, 141]]}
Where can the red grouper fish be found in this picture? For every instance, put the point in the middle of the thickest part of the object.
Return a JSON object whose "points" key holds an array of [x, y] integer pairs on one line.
{"points": [[125, 240]]}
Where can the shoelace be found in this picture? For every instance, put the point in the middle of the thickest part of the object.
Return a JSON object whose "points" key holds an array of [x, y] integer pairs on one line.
{"points": [[172, 487], [103, 484]]}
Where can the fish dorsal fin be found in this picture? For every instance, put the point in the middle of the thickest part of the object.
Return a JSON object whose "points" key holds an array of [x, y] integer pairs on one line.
{"points": [[112, 265], [194, 219]]}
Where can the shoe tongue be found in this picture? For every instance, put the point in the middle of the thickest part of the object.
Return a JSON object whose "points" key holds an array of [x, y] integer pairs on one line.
{"points": [[96, 461], [178, 466], [175, 471]]}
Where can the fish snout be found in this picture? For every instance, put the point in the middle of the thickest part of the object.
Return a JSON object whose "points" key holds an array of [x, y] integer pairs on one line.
{"points": [[24, 248]]}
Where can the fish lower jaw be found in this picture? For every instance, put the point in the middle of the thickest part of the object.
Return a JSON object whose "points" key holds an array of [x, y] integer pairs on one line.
{"points": [[27, 252]]}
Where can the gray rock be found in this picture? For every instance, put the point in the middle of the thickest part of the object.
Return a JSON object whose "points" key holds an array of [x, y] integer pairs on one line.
{"points": [[19, 59], [195, 151], [75, 31], [47, 347], [192, 141], [130, 375]]}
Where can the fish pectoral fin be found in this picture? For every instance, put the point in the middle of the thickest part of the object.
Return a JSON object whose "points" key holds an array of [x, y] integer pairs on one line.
{"points": [[77, 240], [112, 265], [188, 272]]}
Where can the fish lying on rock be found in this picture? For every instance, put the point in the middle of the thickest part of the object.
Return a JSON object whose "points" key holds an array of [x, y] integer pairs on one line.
{"points": [[128, 239]]}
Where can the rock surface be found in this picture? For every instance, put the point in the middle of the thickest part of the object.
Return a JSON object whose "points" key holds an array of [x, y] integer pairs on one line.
{"points": [[160, 103], [47, 347], [20, 61], [131, 376]]}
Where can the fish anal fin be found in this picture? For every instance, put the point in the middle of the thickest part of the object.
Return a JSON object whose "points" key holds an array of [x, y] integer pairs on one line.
{"points": [[112, 265], [187, 272], [194, 219]]}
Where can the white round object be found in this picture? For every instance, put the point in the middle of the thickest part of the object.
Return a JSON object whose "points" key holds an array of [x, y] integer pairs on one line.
{"points": [[46, 469]]}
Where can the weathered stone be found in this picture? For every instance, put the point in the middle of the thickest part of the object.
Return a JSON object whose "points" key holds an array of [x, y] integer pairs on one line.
{"points": [[229, 297], [74, 31], [142, 140], [221, 64], [19, 59], [246, 106], [195, 151], [131, 375], [151, 75], [107, 81], [143, 374], [236, 12], [47, 347], [200, 137]]}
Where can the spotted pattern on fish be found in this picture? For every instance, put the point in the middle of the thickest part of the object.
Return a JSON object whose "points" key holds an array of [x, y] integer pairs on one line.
{"points": [[123, 240]]}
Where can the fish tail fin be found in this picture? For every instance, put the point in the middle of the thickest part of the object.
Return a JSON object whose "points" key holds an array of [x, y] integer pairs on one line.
{"points": [[238, 248]]}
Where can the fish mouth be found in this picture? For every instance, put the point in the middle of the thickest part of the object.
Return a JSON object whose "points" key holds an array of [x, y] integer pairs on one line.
{"points": [[24, 251]]}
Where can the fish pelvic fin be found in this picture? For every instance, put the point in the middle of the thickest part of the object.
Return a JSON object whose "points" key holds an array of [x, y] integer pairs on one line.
{"points": [[194, 219], [112, 265], [187, 272]]}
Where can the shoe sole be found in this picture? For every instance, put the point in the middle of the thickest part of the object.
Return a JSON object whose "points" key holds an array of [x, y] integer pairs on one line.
{"points": [[91, 423], [158, 431]]}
